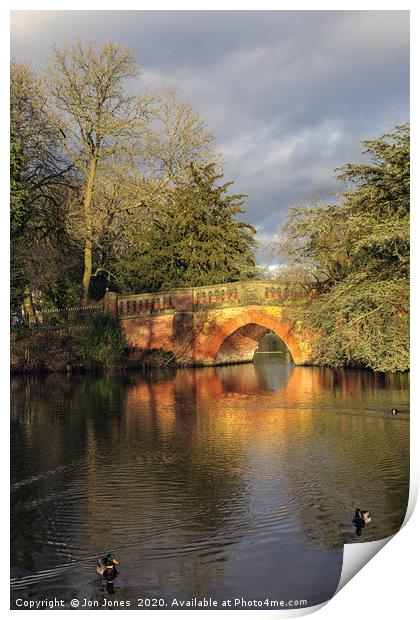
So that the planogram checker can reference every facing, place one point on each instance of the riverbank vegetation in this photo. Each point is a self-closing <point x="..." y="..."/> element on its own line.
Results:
<point x="114" y="187"/>
<point x="101" y="346"/>
<point x="353" y="256"/>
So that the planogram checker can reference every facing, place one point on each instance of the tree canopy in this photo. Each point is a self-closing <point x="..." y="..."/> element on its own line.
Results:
<point x="355" y="255"/>
<point x="104" y="175"/>
<point x="197" y="239"/>
<point x="41" y="182"/>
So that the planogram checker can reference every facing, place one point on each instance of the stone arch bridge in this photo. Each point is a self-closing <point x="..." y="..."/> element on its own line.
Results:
<point x="210" y="325"/>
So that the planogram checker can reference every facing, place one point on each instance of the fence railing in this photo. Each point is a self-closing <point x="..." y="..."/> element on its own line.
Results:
<point x="56" y="318"/>
<point x="252" y="292"/>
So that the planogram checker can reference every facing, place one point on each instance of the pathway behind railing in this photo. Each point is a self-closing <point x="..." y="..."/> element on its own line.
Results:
<point x="55" y="319"/>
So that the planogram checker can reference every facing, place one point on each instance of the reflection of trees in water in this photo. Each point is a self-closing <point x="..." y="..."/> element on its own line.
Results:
<point x="274" y="376"/>
<point x="321" y="450"/>
<point x="56" y="423"/>
<point x="207" y="462"/>
<point x="140" y="456"/>
<point x="337" y="477"/>
<point x="152" y="427"/>
<point x="356" y="382"/>
<point x="200" y="465"/>
<point x="193" y="490"/>
<point x="177" y="449"/>
<point x="204" y="467"/>
<point x="344" y="450"/>
<point x="37" y="445"/>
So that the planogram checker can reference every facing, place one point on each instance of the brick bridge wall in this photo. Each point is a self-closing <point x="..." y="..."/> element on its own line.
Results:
<point x="221" y="324"/>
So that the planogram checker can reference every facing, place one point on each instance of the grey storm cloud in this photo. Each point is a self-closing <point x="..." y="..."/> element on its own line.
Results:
<point x="289" y="94"/>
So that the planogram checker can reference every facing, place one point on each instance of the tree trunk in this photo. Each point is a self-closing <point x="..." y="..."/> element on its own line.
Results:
<point x="28" y="307"/>
<point x="88" y="230"/>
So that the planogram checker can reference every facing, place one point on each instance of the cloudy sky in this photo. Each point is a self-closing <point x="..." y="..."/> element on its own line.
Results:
<point x="289" y="94"/>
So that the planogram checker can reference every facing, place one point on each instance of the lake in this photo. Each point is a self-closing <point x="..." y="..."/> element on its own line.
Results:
<point x="227" y="482"/>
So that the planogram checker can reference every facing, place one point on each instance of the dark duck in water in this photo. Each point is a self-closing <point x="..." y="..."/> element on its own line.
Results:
<point x="361" y="518"/>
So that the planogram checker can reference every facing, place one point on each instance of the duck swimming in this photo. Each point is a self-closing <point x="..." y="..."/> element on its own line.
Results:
<point x="394" y="411"/>
<point x="107" y="567"/>
<point x="366" y="516"/>
<point x="360" y="520"/>
<point x="362" y="517"/>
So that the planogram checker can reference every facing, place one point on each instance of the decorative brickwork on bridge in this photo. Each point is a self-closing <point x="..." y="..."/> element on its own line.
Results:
<point x="211" y="325"/>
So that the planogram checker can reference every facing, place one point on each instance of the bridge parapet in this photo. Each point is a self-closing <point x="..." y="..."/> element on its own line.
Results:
<point x="252" y="292"/>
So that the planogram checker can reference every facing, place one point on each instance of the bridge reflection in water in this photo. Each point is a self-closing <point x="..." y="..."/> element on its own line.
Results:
<point x="219" y="481"/>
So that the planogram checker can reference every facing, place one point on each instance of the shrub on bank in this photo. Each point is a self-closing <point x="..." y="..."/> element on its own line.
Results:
<point x="100" y="346"/>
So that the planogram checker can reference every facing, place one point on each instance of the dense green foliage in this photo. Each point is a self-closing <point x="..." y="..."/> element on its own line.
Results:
<point x="196" y="240"/>
<point x="356" y="256"/>
<point x="112" y="189"/>
<point x="18" y="190"/>
<point x="100" y="346"/>
<point x="18" y="212"/>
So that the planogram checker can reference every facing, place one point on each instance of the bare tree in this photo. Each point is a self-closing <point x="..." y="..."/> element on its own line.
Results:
<point x="99" y="120"/>
<point x="178" y="138"/>
<point x="44" y="164"/>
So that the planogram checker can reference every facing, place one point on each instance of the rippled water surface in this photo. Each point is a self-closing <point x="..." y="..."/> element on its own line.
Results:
<point x="222" y="482"/>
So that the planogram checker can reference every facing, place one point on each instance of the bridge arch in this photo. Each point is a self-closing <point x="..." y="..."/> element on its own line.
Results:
<point x="241" y="345"/>
<point x="238" y="337"/>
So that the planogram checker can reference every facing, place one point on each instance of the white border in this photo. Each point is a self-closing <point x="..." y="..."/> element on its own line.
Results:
<point x="387" y="585"/>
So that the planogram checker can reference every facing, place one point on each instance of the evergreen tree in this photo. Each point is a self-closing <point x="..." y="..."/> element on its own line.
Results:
<point x="18" y="189"/>
<point x="196" y="240"/>
<point x="356" y="255"/>
<point x="18" y="215"/>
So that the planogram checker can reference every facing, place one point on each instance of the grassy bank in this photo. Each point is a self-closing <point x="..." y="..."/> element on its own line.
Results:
<point x="99" y="347"/>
